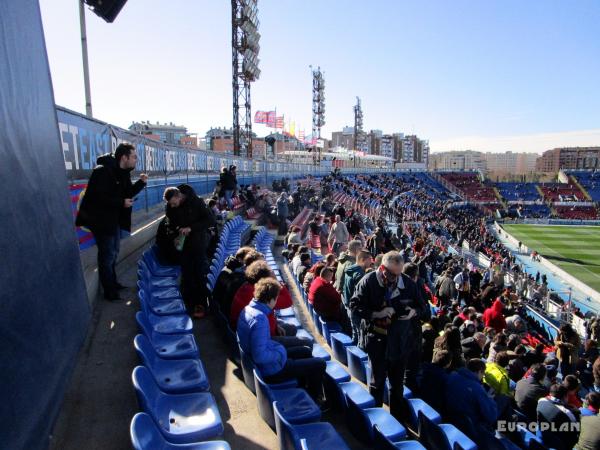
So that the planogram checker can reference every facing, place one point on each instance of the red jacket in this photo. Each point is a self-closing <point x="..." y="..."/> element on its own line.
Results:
<point x="244" y="296"/>
<point x="493" y="317"/>
<point x="325" y="299"/>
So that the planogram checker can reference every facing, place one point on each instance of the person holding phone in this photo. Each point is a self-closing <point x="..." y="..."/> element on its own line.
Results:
<point x="391" y="308"/>
<point x="106" y="210"/>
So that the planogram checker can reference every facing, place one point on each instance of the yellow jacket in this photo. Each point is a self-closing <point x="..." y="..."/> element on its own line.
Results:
<point x="497" y="378"/>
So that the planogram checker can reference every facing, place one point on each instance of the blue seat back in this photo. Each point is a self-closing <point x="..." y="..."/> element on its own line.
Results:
<point x="264" y="399"/>
<point x="144" y="434"/>
<point x="145" y="350"/>
<point x="247" y="369"/>
<point x="144" y="324"/>
<point x="146" y="389"/>
<point x="288" y="438"/>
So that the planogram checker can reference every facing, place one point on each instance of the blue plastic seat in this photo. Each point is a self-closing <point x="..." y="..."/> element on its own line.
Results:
<point x="313" y="436"/>
<point x="290" y="320"/>
<point x="286" y="312"/>
<point x="172" y="376"/>
<point x="320" y="352"/>
<point x="381" y="442"/>
<point x="157" y="269"/>
<point x="417" y="406"/>
<point x="247" y="370"/>
<point x="302" y="333"/>
<point x="158" y="293"/>
<point x="294" y="403"/>
<point x="328" y="328"/>
<point x="339" y="393"/>
<point x="168" y="346"/>
<point x="181" y="418"/>
<point x="406" y="392"/>
<point x="161" y="308"/>
<point x="356" y="359"/>
<point x="443" y="436"/>
<point x="172" y="324"/>
<point x="362" y="420"/>
<point x="339" y="342"/>
<point x="317" y="321"/>
<point x="146" y="436"/>
<point x="336" y="372"/>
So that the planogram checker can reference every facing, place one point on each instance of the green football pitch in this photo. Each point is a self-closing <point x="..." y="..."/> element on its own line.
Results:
<point x="575" y="249"/>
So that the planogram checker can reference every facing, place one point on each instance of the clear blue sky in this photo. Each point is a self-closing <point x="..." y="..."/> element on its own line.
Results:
<point x="488" y="75"/>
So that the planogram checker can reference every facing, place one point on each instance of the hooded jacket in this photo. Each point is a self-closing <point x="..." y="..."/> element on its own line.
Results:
<point x="101" y="208"/>
<point x="352" y="275"/>
<point x="254" y="338"/>
<point x="344" y="261"/>
<point x="493" y="317"/>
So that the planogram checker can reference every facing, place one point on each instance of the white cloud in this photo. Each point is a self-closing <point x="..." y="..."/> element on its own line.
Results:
<point x="533" y="143"/>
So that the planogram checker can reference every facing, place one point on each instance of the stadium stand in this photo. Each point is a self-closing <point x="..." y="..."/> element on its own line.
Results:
<point x="590" y="180"/>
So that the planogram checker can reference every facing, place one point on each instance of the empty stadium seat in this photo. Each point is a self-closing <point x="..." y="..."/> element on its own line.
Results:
<point x="320" y="352"/>
<point x="315" y="436"/>
<point x="172" y="376"/>
<point x="327" y="328"/>
<point x="417" y="406"/>
<point x="382" y="442"/>
<point x="181" y="418"/>
<point x="339" y="342"/>
<point x="295" y="404"/>
<point x="442" y="436"/>
<point x="356" y="362"/>
<point x="161" y="307"/>
<point x="351" y="389"/>
<point x="172" y="324"/>
<point x="146" y="436"/>
<point x="362" y="420"/>
<point x="168" y="346"/>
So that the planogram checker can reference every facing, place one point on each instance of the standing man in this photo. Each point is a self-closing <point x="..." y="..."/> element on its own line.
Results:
<point x="106" y="210"/>
<point x="391" y="309"/>
<point x="338" y="235"/>
<point x="283" y="212"/>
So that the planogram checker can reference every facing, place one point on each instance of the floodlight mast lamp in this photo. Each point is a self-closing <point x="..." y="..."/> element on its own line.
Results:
<point x="244" y="61"/>
<point x="318" y="107"/>
<point x="358" y="124"/>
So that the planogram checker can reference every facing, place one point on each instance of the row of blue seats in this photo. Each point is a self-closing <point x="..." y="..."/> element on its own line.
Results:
<point x="171" y="385"/>
<point x="373" y="425"/>
<point x="290" y="411"/>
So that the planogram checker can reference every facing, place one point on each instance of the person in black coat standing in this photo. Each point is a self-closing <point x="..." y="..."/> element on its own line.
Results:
<point x="106" y="210"/>
<point x="391" y="309"/>
<point x="190" y="216"/>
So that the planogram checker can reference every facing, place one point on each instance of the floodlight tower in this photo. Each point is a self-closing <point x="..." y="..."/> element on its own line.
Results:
<point x="244" y="60"/>
<point x="358" y="124"/>
<point x="318" y="102"/>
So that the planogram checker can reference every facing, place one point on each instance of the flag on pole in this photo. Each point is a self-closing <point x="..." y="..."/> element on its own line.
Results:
<point x="301" y="135"/>
<point x="279" y="122"/>
<point x="271" y="119"/>
<point x="260" y="117"/>
<point x="293" y="128"/>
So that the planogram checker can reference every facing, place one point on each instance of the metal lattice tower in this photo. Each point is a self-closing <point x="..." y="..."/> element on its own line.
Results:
<point x="244" y="60"/>
<point x="358" y="125"/>
<point x="318" y="102"/>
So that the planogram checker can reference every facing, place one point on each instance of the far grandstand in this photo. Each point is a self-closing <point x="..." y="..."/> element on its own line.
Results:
<point x="575" y="249"/>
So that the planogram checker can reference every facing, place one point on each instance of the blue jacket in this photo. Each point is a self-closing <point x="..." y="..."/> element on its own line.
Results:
<point x="255" y="339"/>
<point x="465" y="396"/>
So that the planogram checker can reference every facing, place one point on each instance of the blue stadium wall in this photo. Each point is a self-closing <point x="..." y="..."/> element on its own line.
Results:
<point x="44" y="309"/>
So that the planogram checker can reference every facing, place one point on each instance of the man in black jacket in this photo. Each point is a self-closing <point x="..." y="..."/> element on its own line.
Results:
<point x="106" y="210"/>
<point x="391" y="309"/>
<point x="529" y="390"/>
<point x="194" y="221"/>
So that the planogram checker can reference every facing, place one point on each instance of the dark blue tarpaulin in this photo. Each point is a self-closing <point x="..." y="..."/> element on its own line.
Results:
<point x="44" y="313"/>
